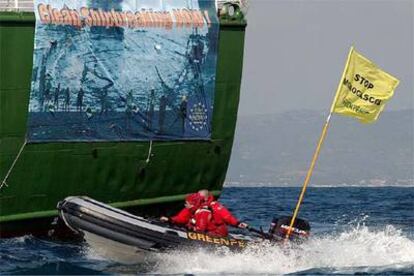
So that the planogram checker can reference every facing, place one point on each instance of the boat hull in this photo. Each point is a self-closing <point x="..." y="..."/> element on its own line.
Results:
<point x="117" y="251"/>
<point x="112" y="231"/>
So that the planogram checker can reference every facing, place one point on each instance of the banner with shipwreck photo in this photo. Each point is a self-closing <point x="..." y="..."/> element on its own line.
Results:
<point x="123" y="70"/>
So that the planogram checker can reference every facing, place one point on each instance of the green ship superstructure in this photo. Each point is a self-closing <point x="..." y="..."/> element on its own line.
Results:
<point x="128" y="175"/>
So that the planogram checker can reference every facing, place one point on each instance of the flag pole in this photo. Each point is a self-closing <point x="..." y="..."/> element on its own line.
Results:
<point x="318" y="148"/>
<point x="308" y="175"/>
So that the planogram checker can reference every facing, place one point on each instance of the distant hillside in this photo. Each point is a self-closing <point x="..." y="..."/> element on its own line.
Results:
<point x="278" y="148"/>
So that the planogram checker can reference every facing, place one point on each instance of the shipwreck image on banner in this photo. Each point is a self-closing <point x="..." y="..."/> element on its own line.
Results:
<point x="123" y="70"/>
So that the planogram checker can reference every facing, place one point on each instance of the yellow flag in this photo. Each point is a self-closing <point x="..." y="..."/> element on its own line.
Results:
<point x="364" y="89"/>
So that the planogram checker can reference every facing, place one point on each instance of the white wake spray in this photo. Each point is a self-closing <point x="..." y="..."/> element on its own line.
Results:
<point x="359" y="247"/>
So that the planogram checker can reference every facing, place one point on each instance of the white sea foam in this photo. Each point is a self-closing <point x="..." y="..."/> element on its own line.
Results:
<point x="359" y="247"/>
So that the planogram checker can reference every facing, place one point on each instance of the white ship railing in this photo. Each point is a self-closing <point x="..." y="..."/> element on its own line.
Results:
<point x="16" y="5"/>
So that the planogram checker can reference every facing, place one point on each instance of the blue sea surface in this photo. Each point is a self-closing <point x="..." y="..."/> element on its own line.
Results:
<point x="355" y="230"/>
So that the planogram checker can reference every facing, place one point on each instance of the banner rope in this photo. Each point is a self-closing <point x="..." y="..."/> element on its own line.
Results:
<point x="149" y="152"/>
<point x="4" y="182"/>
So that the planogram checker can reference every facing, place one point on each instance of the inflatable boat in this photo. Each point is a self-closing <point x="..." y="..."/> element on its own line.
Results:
<point x="118" y="231"/>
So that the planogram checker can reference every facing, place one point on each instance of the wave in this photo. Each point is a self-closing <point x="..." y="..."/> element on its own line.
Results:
<point x="30" y="255"/>
<point x="357" y="250"/>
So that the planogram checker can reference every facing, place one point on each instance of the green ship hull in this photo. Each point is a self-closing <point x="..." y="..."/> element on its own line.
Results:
<point x="114" y="172"/>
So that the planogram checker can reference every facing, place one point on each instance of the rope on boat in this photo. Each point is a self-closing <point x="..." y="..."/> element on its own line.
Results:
<point x="4" y="182"/>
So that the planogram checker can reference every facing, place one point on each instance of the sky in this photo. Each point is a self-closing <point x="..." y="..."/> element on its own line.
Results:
<point x="295" y="50"/>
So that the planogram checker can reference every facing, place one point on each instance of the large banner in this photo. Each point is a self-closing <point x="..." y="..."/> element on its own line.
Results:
<point x="123" y="70"/>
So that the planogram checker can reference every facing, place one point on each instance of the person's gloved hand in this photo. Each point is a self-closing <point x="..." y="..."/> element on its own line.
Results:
<point x="243" y="225"/>
<point x="164" y="219"/>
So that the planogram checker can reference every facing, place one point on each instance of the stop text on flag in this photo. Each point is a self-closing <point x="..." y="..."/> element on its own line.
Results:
<point x="364" y="81"/>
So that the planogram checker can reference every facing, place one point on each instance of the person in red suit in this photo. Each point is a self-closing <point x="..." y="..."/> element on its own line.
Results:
<point x="202" y="213"/>
<point x="186" y="216"/>
<point x="212" y="217"/>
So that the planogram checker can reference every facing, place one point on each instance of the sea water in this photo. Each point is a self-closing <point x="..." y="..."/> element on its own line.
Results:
<point x="355" y="230"/>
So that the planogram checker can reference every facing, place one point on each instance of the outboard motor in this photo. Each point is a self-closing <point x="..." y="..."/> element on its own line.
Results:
<point x="279" y="228"/>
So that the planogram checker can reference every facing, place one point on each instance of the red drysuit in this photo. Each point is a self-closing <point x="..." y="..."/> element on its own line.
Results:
<point x="213" y="218"/>
<point x="210" y="217"/>
<point x="184" y="217"/>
